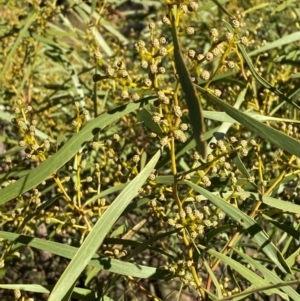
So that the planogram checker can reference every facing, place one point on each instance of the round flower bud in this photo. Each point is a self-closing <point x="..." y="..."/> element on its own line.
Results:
<point x="136" y="158"/>
<point x="153" y="69"/>
<point x="164" y="141"/>
<point x="124" y="94"/>
<point x="227" y="165"/>
<point x="200" y="57"/>
<point x="184" y="127"/>
<point x="221" y="215"/>
<point x="209" y="56"/>
<point x="179" y="135"/>
<point x="171" y="222"/>
<point x="177" y="111"/>
<point x="193" y="6"/>
<point x="244" y="143"/>
<point x="194" y="234"/>
<point x="244" y="41"/>
<point x="207" y="223"/>
<point x="166" y="100"/>
<point x="233" y="139"/>
<point x="110" y="71"/>
<point x="214" y="170"/>
<point x="235" y="23"/>
<point x="205" y="75"/>
<point x="229" y="36"/>
<point x="162" y="40"/>
<point x="244" y="152"/>
<point x="144" y="64"/>
<point x="166" y="20"/>
<point x="135" y="97"/>
<point x="147" y="82"/>
<point x="22" y="143"/>
<point x="251" y="179"/>
<point x="182" y="214"/>
<point x="198" y="198"/>
<point x="191" y="53"/>
<point x="217" y="92"/>
<point x="141" y="43"/>
<point x="155" y="43"/>
<point x="190" y="30"/>
<point x="184" y="8"/>
<point x="163" y="51"/>
<point x="152" y="177"/>
<point x="156" y="118"/>
<point x="188" y="210"/>
<point x="196" y="156"/>
<point x="200" y="229"/>
<point x="98" y="55"/>
<point x="161" y="70"/>
<point x="230" y="64"/>
<point x="215" y="51"/>
<point x="160" y="94"/>
<point x="214" y="32"/>
<point x="17" y="294"/>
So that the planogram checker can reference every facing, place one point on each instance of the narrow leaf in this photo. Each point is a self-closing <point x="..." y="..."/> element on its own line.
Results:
<point x="256" y="232"/>
<point x="243" y="271"/>
<point x="110" y="264"/>
<point x="284" y="206"/>
<point x="193" y="103"/>
<point x="52" y="164"/>
<point x="97" y="235"/>
<point x="278" y="138"/>
<point x="78" y="293"/>
<point x="270" y="275"/>
<point x="295" y="36"/>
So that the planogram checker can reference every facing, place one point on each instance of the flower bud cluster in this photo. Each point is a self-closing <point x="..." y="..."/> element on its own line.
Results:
<point x="181" y="269"/>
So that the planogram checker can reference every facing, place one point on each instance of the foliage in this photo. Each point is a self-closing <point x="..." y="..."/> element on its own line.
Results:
<point x="149" y="155"/>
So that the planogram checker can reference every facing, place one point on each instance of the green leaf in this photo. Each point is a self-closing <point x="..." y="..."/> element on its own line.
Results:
<point x="293" y="37"/>
<point x="284" y="5"/>
<point x="284" y="206"/>
<point x="100" y="230"/>
<point x="110" y="264"/>
<point x="223" y="117"/>
<point x="193" y="103"/>
<point x="270" y="275"/>
<point x="252" y="277"/>
<point x="146" y="117"/>
<point x="256" y="232"/>
<point x="283" y="227"/>
<point x="52" y="164"/>
<point x="78" y="293"/>
<point x="278" y="138"/>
